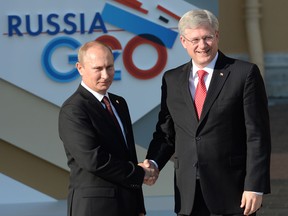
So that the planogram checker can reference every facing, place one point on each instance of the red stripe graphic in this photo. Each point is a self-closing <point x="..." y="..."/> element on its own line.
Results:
<point x="133" y="4"/>
<point x="168" y="12"/>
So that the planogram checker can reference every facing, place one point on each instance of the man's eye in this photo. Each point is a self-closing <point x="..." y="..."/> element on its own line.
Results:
<point x="195" y="41"/>
<point x="98" y="69"/>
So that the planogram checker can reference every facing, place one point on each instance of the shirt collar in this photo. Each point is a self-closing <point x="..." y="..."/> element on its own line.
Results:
<point x="96" y="94"/>
<point x="209" y="68"/>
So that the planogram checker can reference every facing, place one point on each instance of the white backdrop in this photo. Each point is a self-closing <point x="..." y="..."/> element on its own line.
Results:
<point x="21" y="56"/>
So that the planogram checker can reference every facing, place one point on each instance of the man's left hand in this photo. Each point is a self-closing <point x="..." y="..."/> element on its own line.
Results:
<point x="251" y="201"/>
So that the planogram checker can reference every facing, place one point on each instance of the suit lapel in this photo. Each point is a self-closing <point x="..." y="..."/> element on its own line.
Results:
<point x="219" y="77"/>
<point x="92" y="100"/>
<point x="121" y="113"/>
<point x="116" y="103"/>
<point x="101" y="112"/>
<point x="96" y="105"/>
<point x="186" y="94"/>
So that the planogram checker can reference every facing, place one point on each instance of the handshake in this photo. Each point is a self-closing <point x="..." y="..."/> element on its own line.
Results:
<point x="151" y="172"/>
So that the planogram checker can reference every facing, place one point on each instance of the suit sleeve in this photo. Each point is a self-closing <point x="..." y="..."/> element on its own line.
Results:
<point x="84" y="145"/>
<point x="161" y="147"/>
<point x="258" y="133"/>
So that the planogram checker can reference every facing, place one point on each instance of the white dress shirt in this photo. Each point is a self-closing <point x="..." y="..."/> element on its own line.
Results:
<point x="193" y="79"/>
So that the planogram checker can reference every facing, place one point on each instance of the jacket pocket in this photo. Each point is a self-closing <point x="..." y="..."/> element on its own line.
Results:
<point x="98" y="192"/>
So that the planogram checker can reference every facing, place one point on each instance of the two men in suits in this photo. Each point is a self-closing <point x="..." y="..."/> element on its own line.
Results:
<point x="105" y="178"/>
<point x="222" y="157"/>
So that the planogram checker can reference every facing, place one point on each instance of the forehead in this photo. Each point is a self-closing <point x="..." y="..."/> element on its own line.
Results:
<point x="199" y="31"/>
<point x="98" y="53"/>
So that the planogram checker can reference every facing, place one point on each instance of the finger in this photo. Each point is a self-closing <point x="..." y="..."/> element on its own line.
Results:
<point x="243" y="201"/>
<point x="255" y="203"/>
<point x="151" y="180"/>
<point x="155" y="175"/>
<point x="148" y="182"/>
<point x="146" y="163"/>
<point x="248" y="206"/>
<point x="147" y="173"/>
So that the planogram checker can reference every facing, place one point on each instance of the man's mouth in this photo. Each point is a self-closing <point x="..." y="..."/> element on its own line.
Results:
<point x="203" y="51"/>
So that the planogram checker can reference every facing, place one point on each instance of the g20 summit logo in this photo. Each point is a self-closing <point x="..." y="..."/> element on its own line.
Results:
<point x="146" y="32"/>
<point x="40" y="40"/>
<point x="119" y="15"/>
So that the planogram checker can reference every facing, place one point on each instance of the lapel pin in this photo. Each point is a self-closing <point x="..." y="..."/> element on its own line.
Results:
<point x="117" y="101"/>
<point x="221" y="74"/>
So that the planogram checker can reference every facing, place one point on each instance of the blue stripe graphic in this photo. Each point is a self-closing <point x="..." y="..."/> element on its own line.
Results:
<point x="137" y="25"/>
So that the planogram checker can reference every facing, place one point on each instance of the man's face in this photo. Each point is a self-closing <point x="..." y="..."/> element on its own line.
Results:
<point x="97" y="68"/>
<point x="201" y="44"/>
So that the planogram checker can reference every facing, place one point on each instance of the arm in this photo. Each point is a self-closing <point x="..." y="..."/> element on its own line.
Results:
<point x="258" y="142"/>
<point x="85" y="147"/>
<point x="161" y="147"/>
<point x="258" y="133"/>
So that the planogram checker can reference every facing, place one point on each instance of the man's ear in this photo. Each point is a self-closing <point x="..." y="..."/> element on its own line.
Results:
<point x="79" y="67"/>
<point x="217" y="35"/>
<point x="183" y="41"/>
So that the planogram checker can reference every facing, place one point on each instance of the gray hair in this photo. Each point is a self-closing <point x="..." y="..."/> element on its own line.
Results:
<point x="195" y="18"/>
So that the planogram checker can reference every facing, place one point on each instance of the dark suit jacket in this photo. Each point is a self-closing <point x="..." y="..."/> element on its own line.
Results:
<point x="104" y="176"/>
<point x="230" y="145"/>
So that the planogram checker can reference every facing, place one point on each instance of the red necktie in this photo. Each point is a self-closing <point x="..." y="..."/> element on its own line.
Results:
<point x="200" y="93"/>
<point x="106" y="101"/>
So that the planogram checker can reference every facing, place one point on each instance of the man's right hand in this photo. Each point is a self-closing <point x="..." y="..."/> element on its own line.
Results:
<point x="151" y="172"/>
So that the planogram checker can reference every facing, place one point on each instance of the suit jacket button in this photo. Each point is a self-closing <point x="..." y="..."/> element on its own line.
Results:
<point x="198" y="138"/>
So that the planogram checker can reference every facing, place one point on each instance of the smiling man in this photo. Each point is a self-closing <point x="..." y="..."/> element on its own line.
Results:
<point x="214" y="120"/>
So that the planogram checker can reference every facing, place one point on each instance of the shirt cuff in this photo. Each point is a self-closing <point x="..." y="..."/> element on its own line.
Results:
<point x="154" y="162"/>
<point x="258" y="193"/>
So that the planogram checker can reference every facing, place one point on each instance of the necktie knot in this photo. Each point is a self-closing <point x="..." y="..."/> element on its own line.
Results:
<point x="201" y="74"/>
<point x="106" y="101"/>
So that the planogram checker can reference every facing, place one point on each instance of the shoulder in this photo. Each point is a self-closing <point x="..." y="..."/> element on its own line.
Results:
<point x="178" y="73"/>
<point x="225" y="61"/>
<point x="115" y="96"/>
<point x="76" y="97"/>
<point x="183" y="67"/>
<point x="80" y="99"/>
